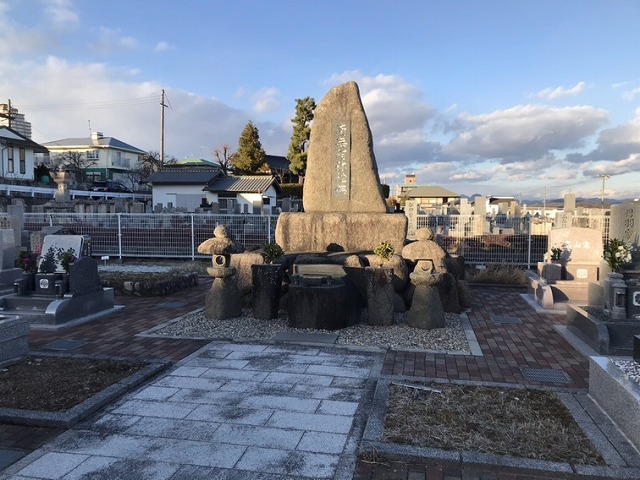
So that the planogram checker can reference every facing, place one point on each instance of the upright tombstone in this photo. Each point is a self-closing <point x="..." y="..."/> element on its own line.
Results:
<point x="343" y="201"/>
<point x="81" y="245"/>
<point x="625" y="222"/>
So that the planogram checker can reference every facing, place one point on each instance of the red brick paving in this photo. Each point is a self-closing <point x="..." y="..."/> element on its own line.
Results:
<point x="506" y="349"/>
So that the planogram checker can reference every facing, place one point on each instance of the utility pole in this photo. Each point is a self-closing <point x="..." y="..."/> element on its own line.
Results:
<point x="8" y="115"/>
<point x="604" y="177"/>
<point x="544" y="203"/>
<point x="162" y="107"/>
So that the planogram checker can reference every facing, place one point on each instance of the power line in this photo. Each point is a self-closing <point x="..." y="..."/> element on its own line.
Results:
<point x="93" y="105"/>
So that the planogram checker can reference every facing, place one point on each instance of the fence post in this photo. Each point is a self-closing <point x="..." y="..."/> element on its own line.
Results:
<point x="268" y="228"/>
<point x="193" y="239"/>
<point x="119" y="237"/>
<point x="528" y="220"/>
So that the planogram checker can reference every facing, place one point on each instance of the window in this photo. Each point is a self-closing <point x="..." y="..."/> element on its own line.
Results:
<point x="23" y="161"/>
<point x="92" y="154"/>
<point x="10" y="167"/>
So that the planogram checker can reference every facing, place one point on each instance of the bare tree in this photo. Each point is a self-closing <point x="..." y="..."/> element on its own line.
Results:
<point x="77" y="163"/>
<point x="225" y="159"/>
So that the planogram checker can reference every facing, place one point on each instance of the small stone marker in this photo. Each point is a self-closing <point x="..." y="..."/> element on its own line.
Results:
<point x="625" y="222"/>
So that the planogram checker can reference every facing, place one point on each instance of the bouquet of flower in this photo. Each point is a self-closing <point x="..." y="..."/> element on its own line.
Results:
<point x="28" y="261"/>
<point x="66" y="258"/>
<point x="385" y="250"/>
<point x="617" y="254"/>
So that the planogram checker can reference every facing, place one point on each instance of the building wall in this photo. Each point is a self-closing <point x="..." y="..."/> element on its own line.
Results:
<point x="6" y="153"/>
<point x="184" y="196"/>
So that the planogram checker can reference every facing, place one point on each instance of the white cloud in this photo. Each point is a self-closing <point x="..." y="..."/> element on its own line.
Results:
<point x="163" y="47"/>
<point x="630" y="95"/>
<point x="561" y="92"/>
<point x="526" y="132"/>
<point x="61" y="14"/>
<point x="266" y="100"/>
<point x="110" y="41"/>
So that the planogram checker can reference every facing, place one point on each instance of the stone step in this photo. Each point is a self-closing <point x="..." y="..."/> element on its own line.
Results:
<point x="26" y="303"/>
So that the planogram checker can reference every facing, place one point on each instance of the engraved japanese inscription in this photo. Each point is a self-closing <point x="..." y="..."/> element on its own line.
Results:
<point x="341" y="160"/>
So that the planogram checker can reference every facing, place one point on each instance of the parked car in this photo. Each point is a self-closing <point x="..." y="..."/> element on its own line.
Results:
<point x="108" y="186"/>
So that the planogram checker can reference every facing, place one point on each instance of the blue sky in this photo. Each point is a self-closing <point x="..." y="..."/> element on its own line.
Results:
<point x="494" y="97"/>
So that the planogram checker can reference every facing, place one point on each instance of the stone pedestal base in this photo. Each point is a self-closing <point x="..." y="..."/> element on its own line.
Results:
<point x="349" y="232"/>
<point x="325" y="307"/>
<point x="14" y="338"/>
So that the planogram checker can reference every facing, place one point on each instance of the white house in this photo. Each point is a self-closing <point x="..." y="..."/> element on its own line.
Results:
<point x="190" y="188"/>
<point x="180" y="186"/>
<point x="111" y="158"/>
<point x="17" y="154"/>
<point x="244" y="194"/>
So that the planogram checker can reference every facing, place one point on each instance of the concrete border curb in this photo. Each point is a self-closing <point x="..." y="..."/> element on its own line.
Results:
<point x="372" y="439"/>
<point x="81" y="411"/>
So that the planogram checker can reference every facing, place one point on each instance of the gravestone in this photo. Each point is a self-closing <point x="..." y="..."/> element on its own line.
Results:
<point x="80" y="244"/>
<point x="83" y="277"/>
<point x="581" y="251"/>
<point x="343" y="201"/>
<point x="7" y="249"/>
<point x="625" y="222"/>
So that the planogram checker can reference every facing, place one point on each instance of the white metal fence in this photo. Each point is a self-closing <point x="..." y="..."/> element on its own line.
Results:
<point x="500" y="239"/>
<point x="50" y="193"/>
<point x="155" y="235"/>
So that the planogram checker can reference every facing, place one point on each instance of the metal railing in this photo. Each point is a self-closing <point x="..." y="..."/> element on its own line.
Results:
<point x="50" y="192"/>
<point x="481" y="240"/>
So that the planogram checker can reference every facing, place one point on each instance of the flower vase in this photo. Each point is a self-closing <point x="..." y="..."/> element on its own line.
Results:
<point x="609" y="281"/>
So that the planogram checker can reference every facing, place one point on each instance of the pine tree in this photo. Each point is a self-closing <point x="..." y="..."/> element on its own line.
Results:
<point x="297" y="155"/>
<point x="249" y="159"/>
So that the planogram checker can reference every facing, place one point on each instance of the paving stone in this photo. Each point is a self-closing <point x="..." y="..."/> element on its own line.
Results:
<point x="292" y="378"/>
<point x="145" y="408"/>
<point x="188" y="371"/>
<point x="53" y="465"/>
<point x="339" y="371"/>
<point x="171" y="428"/>
<point x="312" y="422"/>
<point x="206" y="454"/>
<point x="322" y="442"/>
<point x="109" y="468"/>
<point x="225" y="414"/>
<point x="257" y="436"/>
<point x="156" y="393"/>
<point x="221" y="374"/>
<point x="190" y="383"/>
<point x="302" y="464"/>
<point x="332" y="407"/>
<point x="287" y="403"/>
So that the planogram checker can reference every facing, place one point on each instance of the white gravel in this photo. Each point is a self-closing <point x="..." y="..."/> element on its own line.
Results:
<point x="631" y="368"/>
<point x="397" y="336"/>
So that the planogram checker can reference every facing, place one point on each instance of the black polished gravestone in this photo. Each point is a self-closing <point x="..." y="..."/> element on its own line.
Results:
<point x="636" y="348"/>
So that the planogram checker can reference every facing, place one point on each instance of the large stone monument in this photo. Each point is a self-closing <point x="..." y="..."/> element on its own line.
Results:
<point x="343" y="202"/>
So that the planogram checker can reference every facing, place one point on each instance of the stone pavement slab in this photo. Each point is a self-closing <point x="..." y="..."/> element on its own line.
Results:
<point x="224" y="413"/>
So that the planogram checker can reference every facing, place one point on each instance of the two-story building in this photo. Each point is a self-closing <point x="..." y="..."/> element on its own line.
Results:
<point x="107" y="158"/>
<point x="17" y="155"/>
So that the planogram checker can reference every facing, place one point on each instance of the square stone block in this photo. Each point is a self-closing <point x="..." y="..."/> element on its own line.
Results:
<point x="14" y="338"/>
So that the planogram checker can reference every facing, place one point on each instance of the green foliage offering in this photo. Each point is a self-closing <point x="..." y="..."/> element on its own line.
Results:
<point x="66" y="258"/>
<point x="271" y="252"/>
<point x="292" y="190"/>
<point x="48" y="262"/>
<point x="617" y="254"/>
<point x="385" y="250"/>
<point x="28" y="261"/>
<point x="297" y="155"/>
<point x="556" y="252"/>
<point x="249" y="159"/>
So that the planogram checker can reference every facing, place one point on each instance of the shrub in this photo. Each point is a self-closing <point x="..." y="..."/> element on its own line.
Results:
<point x="499" y="274"/>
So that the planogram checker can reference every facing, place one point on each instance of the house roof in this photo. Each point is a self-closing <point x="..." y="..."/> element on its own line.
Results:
<point x="88" y="142"/>
<point x="9" y="136"/>
<point x="277" y="162"/>
<point x="431" y="192"/>
<point x="183" y="176"/>
<point x="192" y="162"/>
<point x="245" y="183"/>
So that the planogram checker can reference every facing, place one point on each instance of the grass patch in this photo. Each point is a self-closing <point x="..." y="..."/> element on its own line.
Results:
<point x="498" y="274"/>
<point x="522" y="423"/>
<point x="56" y="384"/>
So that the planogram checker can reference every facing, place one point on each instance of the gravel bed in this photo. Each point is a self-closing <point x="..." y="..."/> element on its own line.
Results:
<point x="398" y="336"/>
<point x="631" y="368"/>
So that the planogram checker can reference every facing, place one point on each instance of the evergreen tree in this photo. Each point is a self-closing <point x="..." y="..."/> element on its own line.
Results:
<point x="249" y="159"/>
<point x="297" y="155"/>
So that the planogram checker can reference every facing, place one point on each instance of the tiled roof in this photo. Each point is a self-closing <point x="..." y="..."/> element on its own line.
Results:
<point x="246" y="183"/>
<point x="183" y="176"/>
<point x="105" y="142"/>
<point x="276" y="162"/>
<point x="430" y="192"/>
<point x="8" y="136"/>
